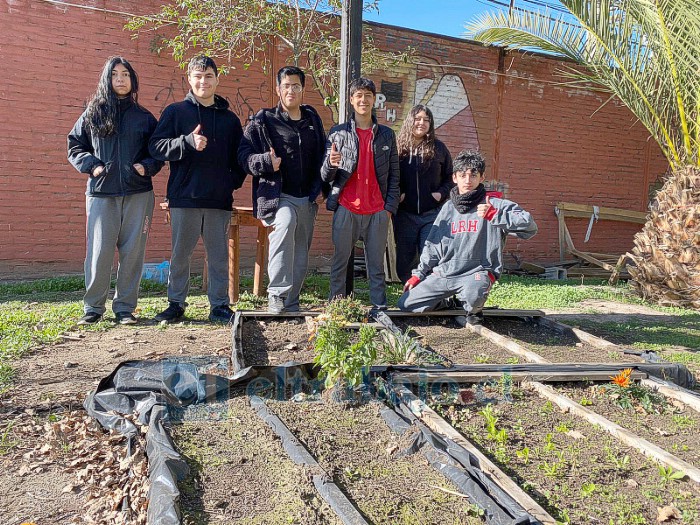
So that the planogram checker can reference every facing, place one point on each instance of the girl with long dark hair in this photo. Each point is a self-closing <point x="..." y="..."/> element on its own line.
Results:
<point x="109" y="143"/>
<point x="426" y="181"/>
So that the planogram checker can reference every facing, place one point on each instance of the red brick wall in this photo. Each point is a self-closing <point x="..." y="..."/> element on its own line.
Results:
<point x="542" y="141"/>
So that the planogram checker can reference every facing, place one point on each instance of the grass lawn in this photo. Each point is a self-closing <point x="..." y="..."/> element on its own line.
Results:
<point x="37" y="312"/>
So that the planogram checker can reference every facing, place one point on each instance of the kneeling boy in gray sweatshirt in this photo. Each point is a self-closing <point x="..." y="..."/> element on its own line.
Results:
<point x="463" y="254"/>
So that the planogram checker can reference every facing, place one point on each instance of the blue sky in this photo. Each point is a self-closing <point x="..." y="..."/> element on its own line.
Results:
<point x="444" y="17"/>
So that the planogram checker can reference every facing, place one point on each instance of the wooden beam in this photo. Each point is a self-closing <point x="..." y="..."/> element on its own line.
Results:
<point x="604" y="213"/>
<point x="488" y="312"/>
<point x="438" y="425"/>
<point x="517" y="376"/>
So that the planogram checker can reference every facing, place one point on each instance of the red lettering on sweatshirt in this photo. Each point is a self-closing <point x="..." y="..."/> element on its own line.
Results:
<point x="463" y="226"/>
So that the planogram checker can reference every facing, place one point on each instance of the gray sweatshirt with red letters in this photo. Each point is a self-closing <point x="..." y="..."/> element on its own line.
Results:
<point x="463" y="243"/>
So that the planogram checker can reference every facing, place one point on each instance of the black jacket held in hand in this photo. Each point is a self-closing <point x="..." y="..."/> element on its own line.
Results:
<point x="386" y="162"/>
<point x="301" y="146"/>
<point x="420" y="178"/>
<point x="199" y="179"/>
<point x="117" y="153"/>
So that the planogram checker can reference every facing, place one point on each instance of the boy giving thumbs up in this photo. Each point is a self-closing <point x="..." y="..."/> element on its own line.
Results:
<point x="463" y="254"/>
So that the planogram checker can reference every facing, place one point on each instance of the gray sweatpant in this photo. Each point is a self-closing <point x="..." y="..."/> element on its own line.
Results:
<point x="122" y="223"/>
<point x="472" y="290"/>
<point x="289" y="245"/>
<point x="188" y="225"/>
<point x="372" y="229"/>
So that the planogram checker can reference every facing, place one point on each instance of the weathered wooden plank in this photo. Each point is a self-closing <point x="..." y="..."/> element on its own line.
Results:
<point x="604" y="213"/>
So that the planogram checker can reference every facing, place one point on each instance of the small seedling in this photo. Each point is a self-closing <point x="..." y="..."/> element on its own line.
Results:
<point x="524" y="454"/>
<point x="585" y="402"/>
<point x="682" y="421"/>
<point x="551" y="470"/>
<point x="562" y="427"/>
<point x="482" y="359"/>
<point x="587" y="489"/>
<point x="668" y="474"/>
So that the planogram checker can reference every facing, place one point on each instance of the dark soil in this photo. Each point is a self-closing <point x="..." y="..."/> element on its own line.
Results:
<point x="274" y="342"/>
<point x="241" y="474"/>
<point x="457" y="345"/>
<point x="575" y="470"/>
<point x="553" y="346"/>
<point x="357" y="448"/>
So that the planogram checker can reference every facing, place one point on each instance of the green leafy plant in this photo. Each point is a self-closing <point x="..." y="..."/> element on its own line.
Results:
<point x="624" y="392"/>
<point x="668" y="474"/>
<point x="585" y="402"/>
<point x="396" y="348"/>
<point x="347" y="308"/>
<point x="340" y="360"/>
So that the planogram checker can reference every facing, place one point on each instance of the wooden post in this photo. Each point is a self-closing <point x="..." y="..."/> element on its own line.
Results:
<point x="260" y="261"/>
<point x="234" y="257"/>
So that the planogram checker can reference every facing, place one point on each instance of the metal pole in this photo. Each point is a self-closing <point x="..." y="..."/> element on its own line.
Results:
<point x="350" y="66"/>
<point x="350" y="53"/>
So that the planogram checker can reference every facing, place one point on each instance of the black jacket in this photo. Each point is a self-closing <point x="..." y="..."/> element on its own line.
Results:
<point x="301" y="146"/>
<point x="117" y="153"/>
<point x="386" y="162"/>
<point x="199" y="179"/>
<point x="419" y="179"/>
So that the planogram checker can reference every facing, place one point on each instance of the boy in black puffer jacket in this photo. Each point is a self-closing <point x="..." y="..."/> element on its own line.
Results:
<point x="362" y="164"/>
<point x="283" y="148"/>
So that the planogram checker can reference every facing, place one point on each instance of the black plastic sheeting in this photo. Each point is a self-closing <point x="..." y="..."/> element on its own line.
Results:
<point x="154" y="391"/>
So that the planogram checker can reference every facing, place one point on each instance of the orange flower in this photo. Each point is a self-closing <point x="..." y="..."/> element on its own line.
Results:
<point x="623" y="378"/>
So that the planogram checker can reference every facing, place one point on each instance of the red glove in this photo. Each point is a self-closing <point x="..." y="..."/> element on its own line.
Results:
<point x="414" y="280"/>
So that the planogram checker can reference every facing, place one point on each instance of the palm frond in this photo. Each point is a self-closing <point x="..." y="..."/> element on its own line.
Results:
<point x="646" y="52"/>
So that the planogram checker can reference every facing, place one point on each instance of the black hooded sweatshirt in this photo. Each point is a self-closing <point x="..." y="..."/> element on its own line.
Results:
<point x="199" y="179"/>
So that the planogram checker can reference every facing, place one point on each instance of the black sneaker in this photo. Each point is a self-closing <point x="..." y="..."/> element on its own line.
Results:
<point x="472" y="319"/>
<point x="221" y="314"/>
<point x="171" y="313"/>
<point x="90" y="318"/>
<point x="125" y="318"/>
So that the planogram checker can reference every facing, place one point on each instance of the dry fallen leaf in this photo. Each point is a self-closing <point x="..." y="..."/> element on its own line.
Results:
<point x="575" y="434"/>
<point x="668" y="513"/>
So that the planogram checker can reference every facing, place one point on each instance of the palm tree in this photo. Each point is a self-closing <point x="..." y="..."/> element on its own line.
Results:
<point x="647" y="54"/>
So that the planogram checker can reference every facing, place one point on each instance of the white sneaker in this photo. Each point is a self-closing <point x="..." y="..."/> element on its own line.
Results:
<point x="275" y="304"/>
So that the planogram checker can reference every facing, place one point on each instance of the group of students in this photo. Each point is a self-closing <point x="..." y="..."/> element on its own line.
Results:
<point x="449" y="231"/>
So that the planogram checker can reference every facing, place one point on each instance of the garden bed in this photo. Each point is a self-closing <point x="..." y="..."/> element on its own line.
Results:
<point x="239" y="472"/>
<point x="456" y="344"/>
<point x="668" y="425"/>
<point x="273" y="342"/>
<point x="579" y="473"/>
<point x="554" y="346"/>
<point x="355" y="446"/>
